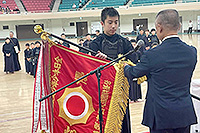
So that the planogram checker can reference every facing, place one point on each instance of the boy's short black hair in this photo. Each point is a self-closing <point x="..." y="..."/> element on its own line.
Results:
<point x="141" y="29"/>
<point x="87" y="34"/>
<point x="153" y="29"/>
<point x="37" y="42"/>
<point x="63" y="34"/>
<point x="97" y="31"/>
<point x="32" y="43"/>
<point x="27" y="44"/>
<point x="81" y="40"/>
<point x="7" y="38"/>
<point x="108" y="11"/>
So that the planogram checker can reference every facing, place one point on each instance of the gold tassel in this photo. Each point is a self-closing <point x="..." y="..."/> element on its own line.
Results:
<point x="118" y="102"/>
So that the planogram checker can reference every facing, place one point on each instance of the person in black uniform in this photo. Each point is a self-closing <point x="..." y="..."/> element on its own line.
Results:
<point x="63" y="36"/>
<point x="154" y="37"/>
<point x="97" y="33"/>
<point x="36" y="52"/>
<point x="141" y="35"/>
<point x="110" y="44"/>
<point x="27" y="53"/>
<point x="135" y="92"/>
<point x="81" y="41"/>
<point x="87" y="43"/>
<point x="147" y="39"/>
<point x="32" y="63"/>
<point x="16" y="45"/>
<point x="8" y="51"/>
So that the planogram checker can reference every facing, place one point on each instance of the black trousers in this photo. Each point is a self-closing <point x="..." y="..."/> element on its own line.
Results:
<point x="177" y="130"/>
<point x="126" y="124"/>
<point x="190" y="30"/>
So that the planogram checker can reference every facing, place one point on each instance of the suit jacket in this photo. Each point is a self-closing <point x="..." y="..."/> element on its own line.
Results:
<point x="169" y="68"/>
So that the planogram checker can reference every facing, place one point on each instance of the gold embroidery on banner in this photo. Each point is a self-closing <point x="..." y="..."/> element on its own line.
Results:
<point x="79" y="75"/>
<point x="96" y="126"/>
<point x="104" y="99"/>
<point x="68" y="130"/>
<point x="56" y="72"/>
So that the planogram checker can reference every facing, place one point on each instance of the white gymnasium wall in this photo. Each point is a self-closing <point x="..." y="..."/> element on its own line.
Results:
<point x="58" y="26"/>
<point x="126" y="21"/>
<point x="190" y="15"/>
<point x="11" y="24"/>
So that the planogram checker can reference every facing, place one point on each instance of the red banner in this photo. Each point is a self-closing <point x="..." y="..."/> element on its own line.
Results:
<point x="75" y="109"/>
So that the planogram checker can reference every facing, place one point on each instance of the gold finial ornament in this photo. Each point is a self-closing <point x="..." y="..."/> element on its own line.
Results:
<point x="38" y="29"/>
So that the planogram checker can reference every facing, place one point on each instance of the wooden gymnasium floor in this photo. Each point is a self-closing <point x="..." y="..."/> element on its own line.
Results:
<point x="16" y="96"/>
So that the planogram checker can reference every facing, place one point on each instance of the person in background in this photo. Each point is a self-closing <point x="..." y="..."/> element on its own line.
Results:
<point x="154" y="37"/>
<point x="137" y="29"/>
<point x="87" y="42"/>
<point x="8" y="10"/>
<point x="190" y="26"/>
<point x="81" y="41"/>
<point x="27" y="58"/>
<point x="36" y="53"/>
<point x="73" y="6"/>
<point x="4" y="2"/>
<point x="16" y="10"/>
<point x="135" y="93"/>
<point x="32" y="61"/>
<point x="97" y="33"/>
<point x="63" y="36"/>
<point x="80" y="5"/>
<point x="8" y="51"/>
<point x="147" y="40"/>
<point x="14" y="41"/>
<point x="141" y="35"/>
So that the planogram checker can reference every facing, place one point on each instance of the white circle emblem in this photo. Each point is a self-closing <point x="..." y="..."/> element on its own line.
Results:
<point x="85" y="101"/>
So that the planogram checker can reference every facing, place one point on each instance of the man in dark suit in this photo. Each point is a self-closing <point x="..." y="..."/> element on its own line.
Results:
<point x="169" y="68"/>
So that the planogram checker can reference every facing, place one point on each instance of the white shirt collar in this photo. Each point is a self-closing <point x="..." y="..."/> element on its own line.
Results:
<point x="170" y="36"/>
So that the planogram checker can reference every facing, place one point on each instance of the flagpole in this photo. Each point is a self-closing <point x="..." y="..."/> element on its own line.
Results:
<point x="98" y="75"/>
<point x="38" y="30"/>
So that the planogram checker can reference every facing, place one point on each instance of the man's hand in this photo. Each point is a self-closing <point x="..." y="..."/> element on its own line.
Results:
<point x="8" y="55"/>
<point x="101" y="55"/>
<point x="147" y="48"/>
<point x="125" y="64"/>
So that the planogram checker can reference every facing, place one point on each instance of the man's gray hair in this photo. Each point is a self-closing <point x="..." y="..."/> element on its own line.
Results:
<point x="12" y="32"/>
<point x="168" y="18"/>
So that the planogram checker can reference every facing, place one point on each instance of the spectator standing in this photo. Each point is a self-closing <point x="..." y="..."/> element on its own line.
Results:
<point x="14" y="41"/>
<point x="27" y="58"/>
<point x="8" y="51"/>
<point x="190" y="26"/>
<point x="87" y="42"/>
<point x="73" y="6"/>
<point x="63" y="36"/>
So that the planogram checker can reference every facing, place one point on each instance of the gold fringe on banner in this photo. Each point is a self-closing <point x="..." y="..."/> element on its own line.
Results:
<point x="118" y="102"/>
